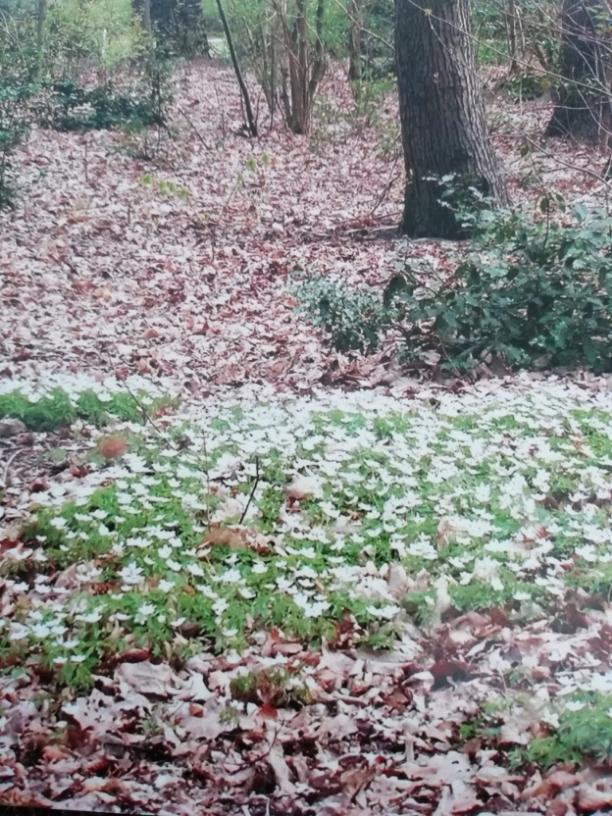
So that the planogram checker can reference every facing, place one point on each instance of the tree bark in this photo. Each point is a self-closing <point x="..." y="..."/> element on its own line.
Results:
<point x="583" y="103"/>
<point x="444" y="131"/>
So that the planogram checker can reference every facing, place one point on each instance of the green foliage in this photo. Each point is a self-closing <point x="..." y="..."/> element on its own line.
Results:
<point x="18" y="83"/>
<point x="76" y="108"/>
<point x="532" y="293"/>
<point x="165" y="187"/>
<point x="353" y="319"/>
<point x="56" y="409"/>
<point x="277" y="687"/>
<point x="582" y="734"/>
<point x="536" y="36"/>
<point x="527" y="85"/>
<point x="100" y="34"/>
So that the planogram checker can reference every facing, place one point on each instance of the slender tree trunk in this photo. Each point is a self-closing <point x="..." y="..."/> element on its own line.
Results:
<point x="583" y="103"/>
<point x="355" y="10"/>
<point x="511" y="34"/>
<point x="41" y="17"/>
<point x="304" y="66"/>
<point x="244" y="91"/>
<point x="444" y="131"/>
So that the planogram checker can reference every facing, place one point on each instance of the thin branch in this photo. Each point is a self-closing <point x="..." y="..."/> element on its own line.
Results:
<point x="252" y="493"/>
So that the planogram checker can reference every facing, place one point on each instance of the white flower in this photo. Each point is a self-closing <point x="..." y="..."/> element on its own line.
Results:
<point x="89" y="617"/>
<point x="165" y="585"/>
<point x="219" y="606"/>
<point x="18" y="631"/>
<point x="482" y="493"/>
<point x="574" y="705"/>
<point x="59" y="522"/>
<point x="231" y="576"/>
<point x="40" y="630"/>
<point x="132" y="574"/>
<point x="386" y="612"/>
<point x="487" y="569"/>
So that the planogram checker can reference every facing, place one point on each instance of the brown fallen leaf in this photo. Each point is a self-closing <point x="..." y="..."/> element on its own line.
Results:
<point x="237" y="538"/>
<point x="592" y="799"/>
<point x="146" y="678"/>
<point x="112" y="447"/>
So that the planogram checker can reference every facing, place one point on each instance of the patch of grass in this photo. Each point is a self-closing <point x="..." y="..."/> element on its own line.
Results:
<point x="56" y="409"/>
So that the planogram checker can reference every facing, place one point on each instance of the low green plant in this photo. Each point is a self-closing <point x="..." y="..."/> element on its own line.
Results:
<point x="56" y="409"/>
<point x="72" y="107"/>
<point x="585" y="733"/>
<point x="532" y="293"/>
<point x="352" y="319"/>
<point x="527" y="86"/>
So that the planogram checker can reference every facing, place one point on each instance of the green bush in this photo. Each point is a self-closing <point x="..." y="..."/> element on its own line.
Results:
<point x="353" y="319"/>
<point x="532" y="293"/>
<point x="74" y="108"/>
<point x="18" y="83"/>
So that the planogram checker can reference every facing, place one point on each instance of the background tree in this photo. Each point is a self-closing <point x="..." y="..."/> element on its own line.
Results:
<point x="178" y="23"/>
<point x="304" y="62"/>
<point x="583" y="104"/>
<point x="444" y="132"/>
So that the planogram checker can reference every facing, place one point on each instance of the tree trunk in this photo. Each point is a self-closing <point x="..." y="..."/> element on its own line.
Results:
<point x="444" y="131"/>
<point x="511" y="34"/>
<point x="244" y="91"/>
<point x="583" y="103"/>
<point x="304" y="64"/>
<point x="355" y="10"/>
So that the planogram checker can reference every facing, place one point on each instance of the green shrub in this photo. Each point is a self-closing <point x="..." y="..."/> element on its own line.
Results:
<point x="353" y="319"/>
<point x="18" y="83"/>
<point x="532" y="293"/>
<point x="75" y="108"/>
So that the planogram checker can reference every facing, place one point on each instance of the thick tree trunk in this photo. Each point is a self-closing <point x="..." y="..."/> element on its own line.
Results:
<point x="583" y="104"/>
<point x="442" y="115"/>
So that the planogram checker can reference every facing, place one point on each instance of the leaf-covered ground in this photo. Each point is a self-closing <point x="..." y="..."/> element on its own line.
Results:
<point x="229" y="587"/>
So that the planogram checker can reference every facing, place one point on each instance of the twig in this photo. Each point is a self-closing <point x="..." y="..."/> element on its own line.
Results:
<point x="12" y="458"/>
<point x="252" y="493"/>
<point x="382" y="197"/>
<point x="195" y="130"/>
<point x="143" y="410"/>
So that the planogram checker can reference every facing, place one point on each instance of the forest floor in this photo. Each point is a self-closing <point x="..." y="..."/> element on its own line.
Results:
<point x="245" y="574"/>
